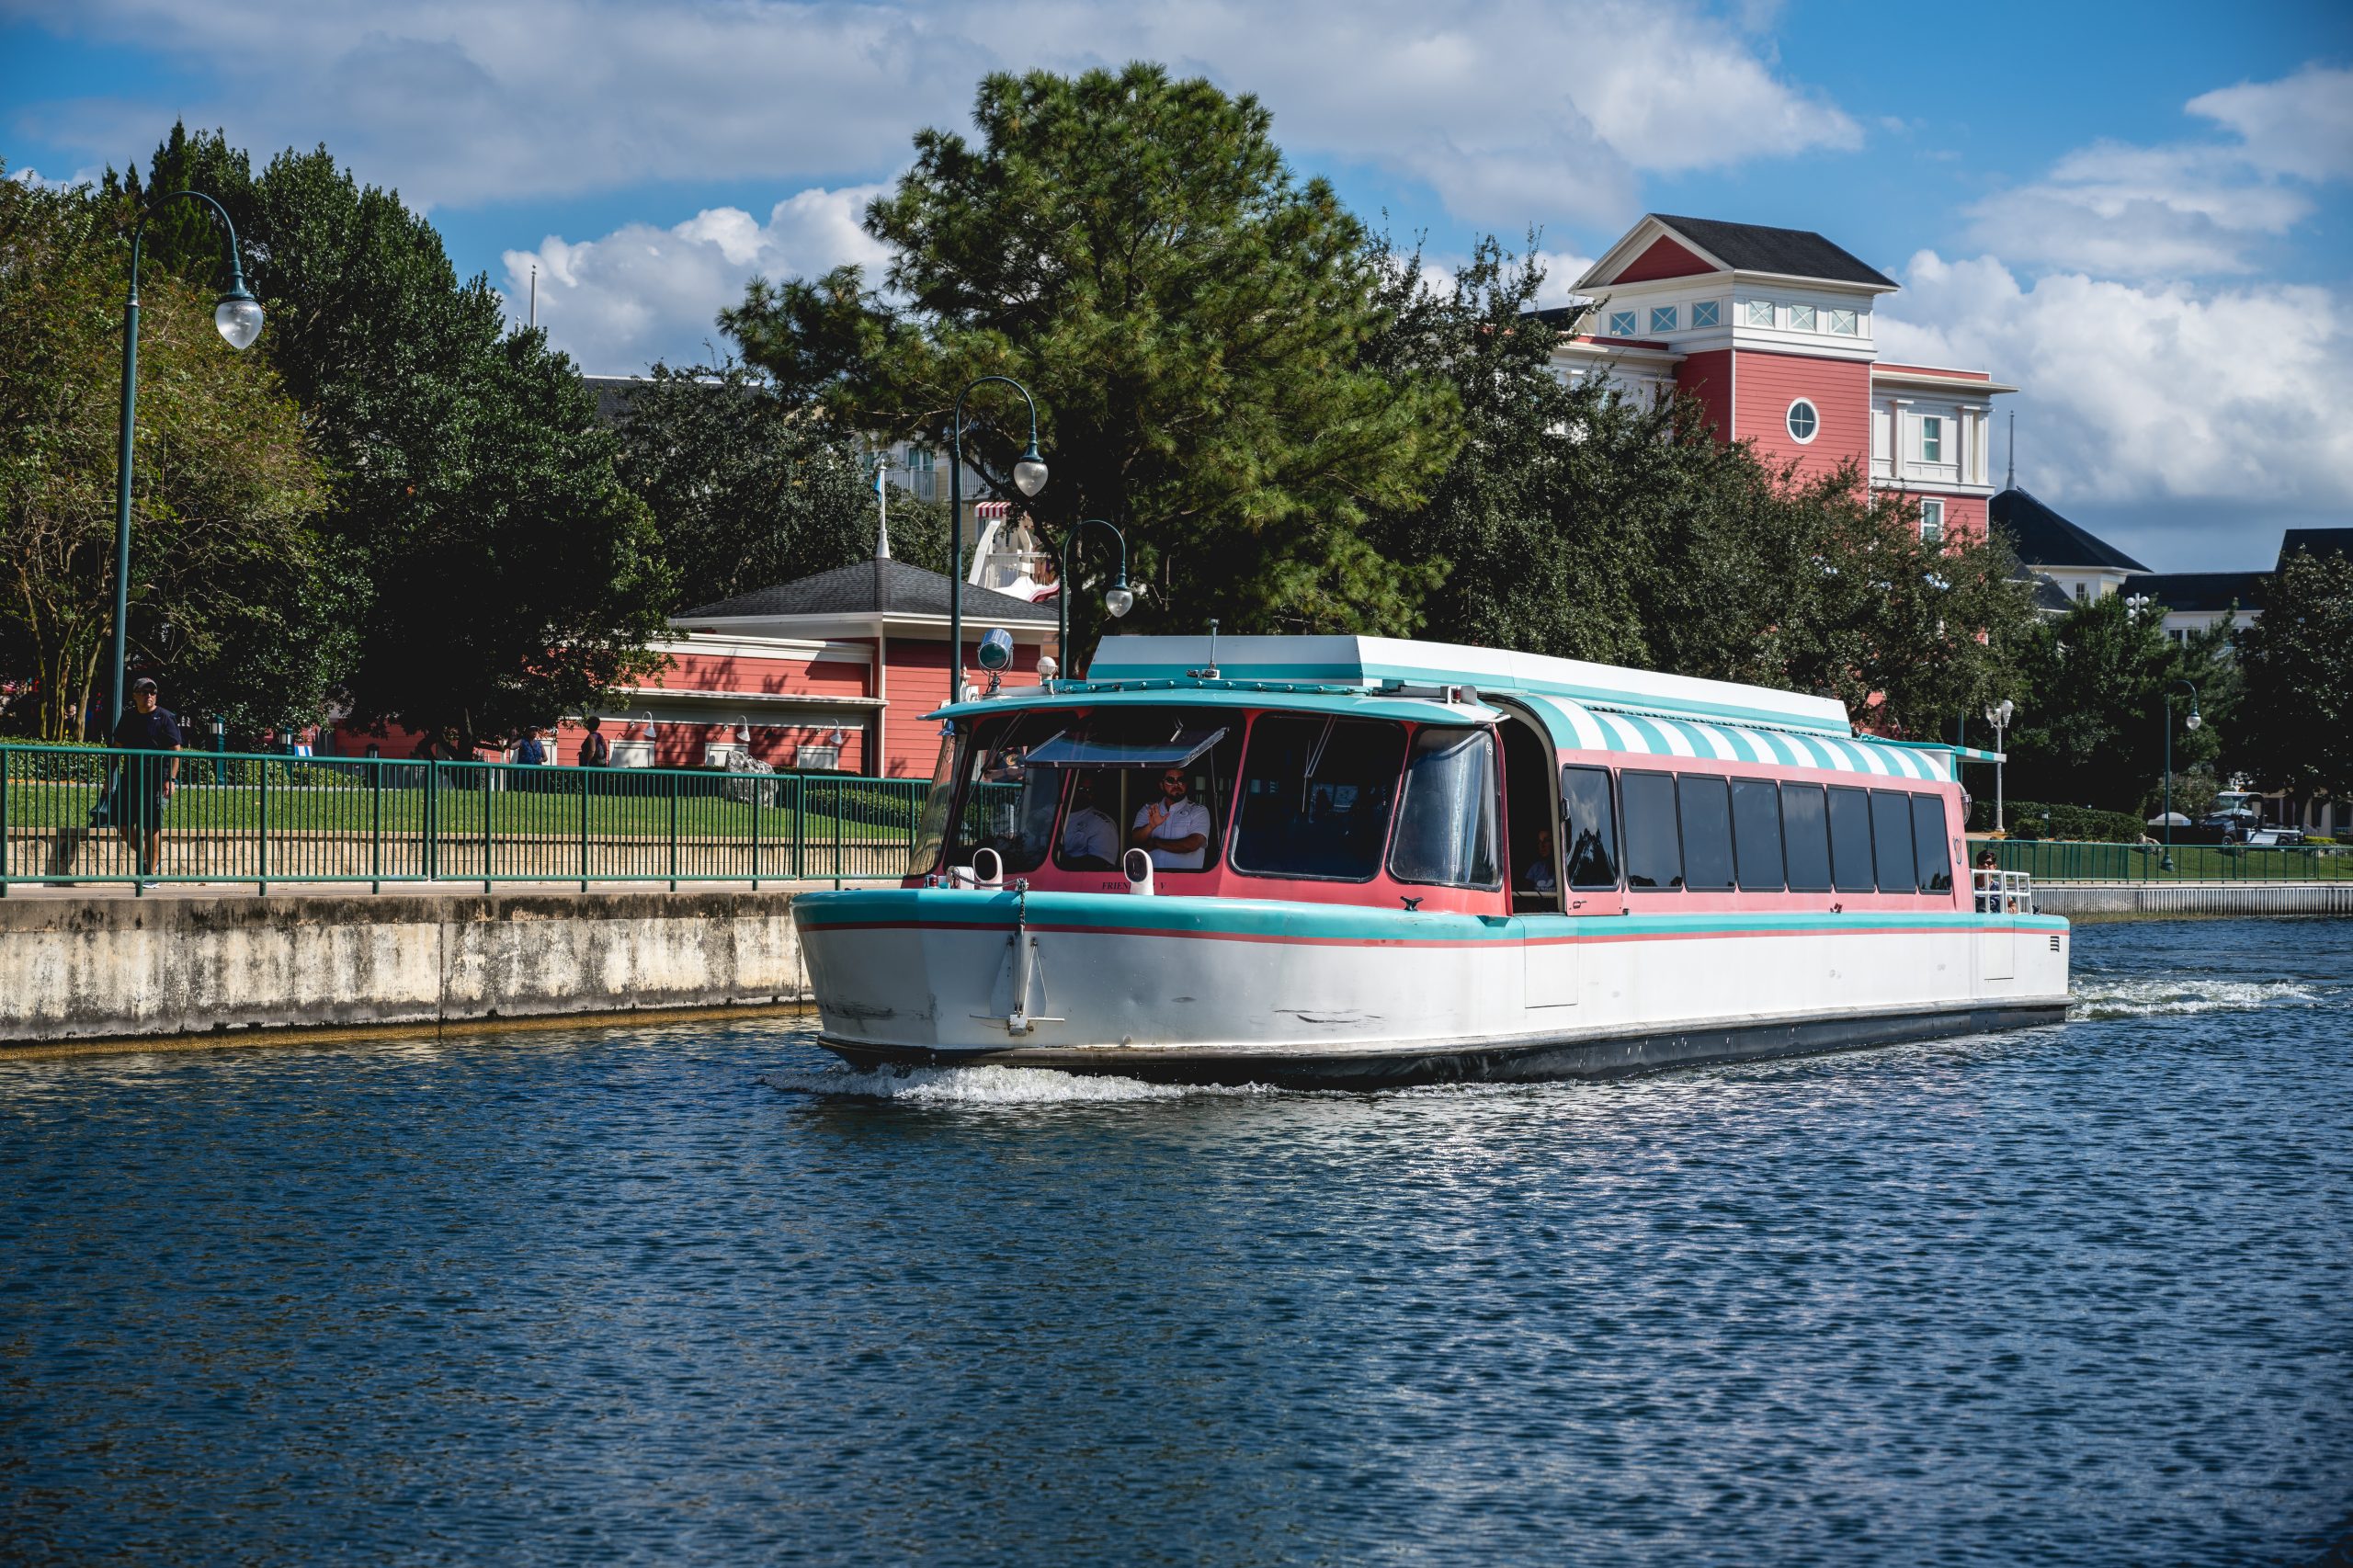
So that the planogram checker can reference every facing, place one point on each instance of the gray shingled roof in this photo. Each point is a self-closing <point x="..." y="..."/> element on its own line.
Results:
<point x="2320" y="541"/>
<point x="1794" y="253"/>
<point x="871" y="587"/>
<point x="2048" y="597"/>
<point x="2199" y="590"/>
<point x="2043" y="538"/>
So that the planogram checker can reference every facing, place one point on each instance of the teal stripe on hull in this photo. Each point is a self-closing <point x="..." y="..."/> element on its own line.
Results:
<point x="1268" y="919"/>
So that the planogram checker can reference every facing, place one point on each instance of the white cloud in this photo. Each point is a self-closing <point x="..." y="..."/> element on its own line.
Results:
<point x="2229" y="398"/>
<point x="2184" y="208"/>
<point x="1506" y="108"/>
<point x="2301" y="125"/>
<point x="643" y="293"/>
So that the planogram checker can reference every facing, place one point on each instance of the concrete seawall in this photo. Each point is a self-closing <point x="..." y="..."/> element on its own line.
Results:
<point x="2194" y="898"/>
<point x="201" y="963"/>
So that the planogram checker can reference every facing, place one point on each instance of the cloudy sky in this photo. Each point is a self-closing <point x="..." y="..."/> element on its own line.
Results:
<point x="2138" y="214"/>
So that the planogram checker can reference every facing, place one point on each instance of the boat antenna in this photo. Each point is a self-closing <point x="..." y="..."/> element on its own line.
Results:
<point x="1211" y="673"/>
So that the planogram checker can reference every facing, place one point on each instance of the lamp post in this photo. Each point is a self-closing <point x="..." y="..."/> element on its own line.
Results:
<point x="1999" y="715"/>
<point x="1115" y="598"/>
<point x="2193" y="721"/>
<point x="237" y="316"/>
<point x="1029" y="477"/>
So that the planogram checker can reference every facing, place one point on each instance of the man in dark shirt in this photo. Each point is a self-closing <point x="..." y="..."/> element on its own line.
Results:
<point x="144" y="785"/>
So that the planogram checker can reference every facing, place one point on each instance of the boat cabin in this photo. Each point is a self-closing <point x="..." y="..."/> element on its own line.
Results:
<point x="1398" y="774"/>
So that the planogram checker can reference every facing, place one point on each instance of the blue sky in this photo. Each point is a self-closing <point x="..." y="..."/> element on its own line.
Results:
<point x="2138" y="214"/>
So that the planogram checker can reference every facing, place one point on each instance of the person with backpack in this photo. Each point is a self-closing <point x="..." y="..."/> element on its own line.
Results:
<point x="595" y="751"/>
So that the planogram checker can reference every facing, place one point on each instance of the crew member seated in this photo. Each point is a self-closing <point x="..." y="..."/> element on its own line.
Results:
<point x="1090" y="839"/>
<point x="1538" y="877"/>
<point x="1175" y="828"/>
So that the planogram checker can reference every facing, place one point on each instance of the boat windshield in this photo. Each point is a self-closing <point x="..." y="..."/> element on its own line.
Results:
<point x="1159" y="778"/>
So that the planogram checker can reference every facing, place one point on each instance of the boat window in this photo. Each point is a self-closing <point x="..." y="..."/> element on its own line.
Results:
<point x="931" y="827"/>
<point x="1704" y="803"/>
<point x="1006" y="805"/>
<point x="1805" y="838"/>
<point x="1850" y="840"/>
<point x="1446" y="820"/>
<point x="1132" y="802"/>
<point x="1891" y="835"/>
<point x="1316" y="796"/>
<point x="1588" y="827"/>
<point x="1756" y="833"/>
<point x="1934" y="856"/>
<point x="1654" y="854"/>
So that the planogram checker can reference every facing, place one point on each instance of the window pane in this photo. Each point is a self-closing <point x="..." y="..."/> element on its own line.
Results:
<point x="1589" y="827"/>
<point x="1662" y="318"/>
<point x="1007" y="805"/>
<point x="1653" y="856"/>
<point x="1316" y="796"/>
<point x="1935" y="864"/>
<point x="1756" y="833"/>
<point x="1705" y="807"/>
<point x="1704" y="314"/>
<point x="1843" y="321"/>
<point x="1850" y="840"/>
<point x="1800" y="318"/>
<point x="1932" y="440"/>
<point x="1760" y="312"/>
<point x="1621" y="323"/>
<point x="1892" y="840"/>
<point x="1802" y="420"/>
<point x="1446" y="820"/>
<point x="1805" y="836"/>
<point x="1114" y="809"/>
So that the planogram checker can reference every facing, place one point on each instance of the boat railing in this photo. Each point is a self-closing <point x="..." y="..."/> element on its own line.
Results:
<point x="2003" y="892"/>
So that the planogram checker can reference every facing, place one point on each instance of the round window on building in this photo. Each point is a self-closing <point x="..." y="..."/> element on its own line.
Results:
<point x="1805" y="423"/>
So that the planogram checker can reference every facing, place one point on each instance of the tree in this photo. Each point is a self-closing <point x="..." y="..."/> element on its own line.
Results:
<point x="749" y="488"/>
<point x="2093" y="715"/>
<point x="511" y="576"/>
<point x="224" y="550"/>
<point x="1193" y="319"/>
<point x="1580" y="522"/>
<point x="2297" y="663"/>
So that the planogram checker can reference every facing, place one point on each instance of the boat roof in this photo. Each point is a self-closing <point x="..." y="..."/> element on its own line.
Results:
<point x="1584" y="707"/>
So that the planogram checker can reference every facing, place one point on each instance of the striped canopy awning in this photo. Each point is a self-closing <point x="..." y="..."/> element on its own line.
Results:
<point x="1576" y="727"/>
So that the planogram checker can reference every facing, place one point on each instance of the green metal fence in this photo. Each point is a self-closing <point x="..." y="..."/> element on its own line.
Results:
<point x="2068" y="861"/>
<point x="71" y="814"/>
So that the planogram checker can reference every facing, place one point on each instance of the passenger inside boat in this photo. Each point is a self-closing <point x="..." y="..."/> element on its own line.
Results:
<point x="1528" y="813"/>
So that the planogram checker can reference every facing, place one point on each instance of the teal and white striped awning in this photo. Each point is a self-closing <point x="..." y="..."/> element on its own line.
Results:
<point x="1576" y="727"/>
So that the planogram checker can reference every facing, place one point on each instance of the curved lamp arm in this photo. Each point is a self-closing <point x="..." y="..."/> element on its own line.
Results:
<point x="1029" y="477"/>
<point x="1116" y="605"/>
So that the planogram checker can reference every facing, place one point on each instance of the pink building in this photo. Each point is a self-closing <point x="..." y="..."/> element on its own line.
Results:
<point x="1770" y="329"/>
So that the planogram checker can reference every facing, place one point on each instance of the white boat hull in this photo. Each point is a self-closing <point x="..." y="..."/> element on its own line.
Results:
<point x="1233" y="991"/>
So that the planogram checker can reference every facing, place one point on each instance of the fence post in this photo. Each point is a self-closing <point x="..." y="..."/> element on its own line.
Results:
<point x="375" y="824"/>
<point x="584" y="827"/>
<point x="759" y="793"/>
<point x="432" y="820"/>
<point x="263" y="883"/>
<point x="799" y="826"/>
<point x="7" y="852"/>
<point x="674" y="830"/>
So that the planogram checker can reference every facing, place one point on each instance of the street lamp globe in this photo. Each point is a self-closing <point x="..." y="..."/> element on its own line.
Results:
<point x="1029" y="474"/>
<point x="238" y="317"/>
<point x="1118" y="600"/>
<point x="2193" y="721"/>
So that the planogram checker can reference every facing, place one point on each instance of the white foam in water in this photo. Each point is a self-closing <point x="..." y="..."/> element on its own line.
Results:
<point x="2156" y="997"/>
<point x="982" y="1087"/>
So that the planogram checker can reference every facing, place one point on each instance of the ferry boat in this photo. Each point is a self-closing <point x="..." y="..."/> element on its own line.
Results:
<point x="1329" y="861"/>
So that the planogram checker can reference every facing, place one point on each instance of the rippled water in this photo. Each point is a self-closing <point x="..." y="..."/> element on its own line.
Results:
<point x="2082" y="1295"/>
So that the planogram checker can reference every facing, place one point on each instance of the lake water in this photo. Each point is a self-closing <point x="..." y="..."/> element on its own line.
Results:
<point x="2081" y="1295"/>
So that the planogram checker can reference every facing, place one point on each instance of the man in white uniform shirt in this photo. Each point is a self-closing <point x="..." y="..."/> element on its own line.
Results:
<point x="1087" y="834"/>
<point x="1174" y="828"/>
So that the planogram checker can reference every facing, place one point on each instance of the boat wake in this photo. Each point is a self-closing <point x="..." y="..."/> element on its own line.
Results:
<point x="983" y="1086"/>
<point x="2158" y="997"/>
